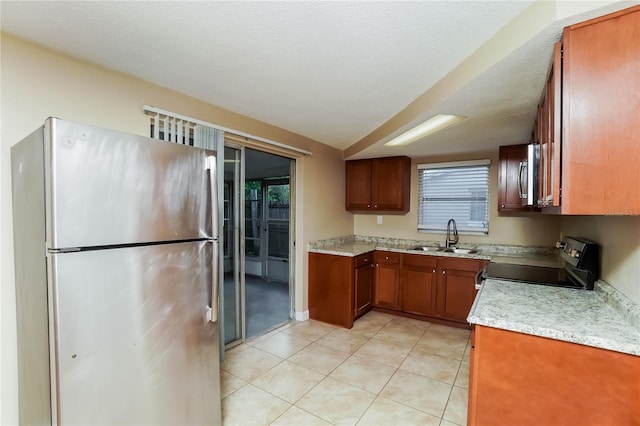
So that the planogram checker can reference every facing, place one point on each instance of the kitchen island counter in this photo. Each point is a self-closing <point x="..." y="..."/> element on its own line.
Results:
<point x="601" y="318"/>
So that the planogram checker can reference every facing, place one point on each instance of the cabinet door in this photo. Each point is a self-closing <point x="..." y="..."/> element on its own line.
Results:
<point x="512" y="170"/>
<point x="387" y="280"/>
<point x="419" y="284"/>
<point x="456" y="292"/>
<point x="331" y="289"/>
<point x="549" y="172"/>
<point x="363" y="286"/>
<point x="391" y="184"/>
<point x="359" y="184"/>
<point x="456" y="287"/>
<point x="601" y="94"/>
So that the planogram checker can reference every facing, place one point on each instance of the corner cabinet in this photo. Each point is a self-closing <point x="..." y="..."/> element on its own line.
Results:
<point x="587" y="124"/>
<point x="378" y="185"/>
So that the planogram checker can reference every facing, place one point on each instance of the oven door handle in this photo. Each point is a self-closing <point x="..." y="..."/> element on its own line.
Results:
<point x="480" y="276"/>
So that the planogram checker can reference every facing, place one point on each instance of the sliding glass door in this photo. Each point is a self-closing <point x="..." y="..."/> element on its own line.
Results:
<point x="257" y="243"/>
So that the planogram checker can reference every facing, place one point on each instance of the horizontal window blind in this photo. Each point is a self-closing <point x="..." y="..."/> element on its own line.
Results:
<point x="459" y="191"/>
<point x="179" y="128"/>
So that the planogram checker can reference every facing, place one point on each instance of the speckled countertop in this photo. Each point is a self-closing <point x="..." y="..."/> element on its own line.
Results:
<point x="601" y="318"/>
<point x="357" y="245"/>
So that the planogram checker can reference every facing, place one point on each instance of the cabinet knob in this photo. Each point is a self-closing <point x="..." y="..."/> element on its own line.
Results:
<point x="375" y="207"/>
<point x="502" y="206"/>
<point x="368" y="206"/>
<point x="386" y="257"/>
<point x="434" y="271"/>
<point x="444" y="272"/>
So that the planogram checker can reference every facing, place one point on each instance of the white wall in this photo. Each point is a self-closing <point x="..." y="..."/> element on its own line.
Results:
<point x="619" y="237"/>
<point x="38" y="83"/>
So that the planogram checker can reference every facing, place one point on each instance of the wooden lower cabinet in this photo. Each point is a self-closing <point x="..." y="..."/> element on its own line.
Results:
<point x="456" y="287"/>
<point x="433" y="287"/>
<point x="363" y="284"/>
<point x="419" y="284"/>
<point x="387" y="280"/>
<point x="520" y="379"/>
<point x="437" y="288"/>
<point x="339" y="287"/>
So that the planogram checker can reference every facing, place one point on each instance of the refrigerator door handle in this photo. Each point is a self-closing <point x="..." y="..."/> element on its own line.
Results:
<point x="212" y="312"/>
<point x="213" y="188"/>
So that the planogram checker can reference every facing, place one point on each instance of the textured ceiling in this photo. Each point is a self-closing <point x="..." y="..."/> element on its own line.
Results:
<point x="331" y="71"/>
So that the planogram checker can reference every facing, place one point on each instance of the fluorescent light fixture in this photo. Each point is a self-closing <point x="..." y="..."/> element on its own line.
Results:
<point x="432" y="125"/>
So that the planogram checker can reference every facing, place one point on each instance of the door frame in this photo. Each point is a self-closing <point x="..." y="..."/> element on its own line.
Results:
<point x="239" y="232"/>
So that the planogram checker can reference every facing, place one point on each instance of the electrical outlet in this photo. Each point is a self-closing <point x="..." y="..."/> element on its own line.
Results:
<point x="379" y="220"/>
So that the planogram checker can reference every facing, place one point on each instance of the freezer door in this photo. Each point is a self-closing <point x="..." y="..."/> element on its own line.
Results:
<point x="107" y="188"/>
<point x="132" y="339"/>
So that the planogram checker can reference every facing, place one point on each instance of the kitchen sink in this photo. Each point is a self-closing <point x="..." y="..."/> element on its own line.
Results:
<point x="426" y="248"/>
<point x="460" y="250"/>
<point x="444" y="249"/>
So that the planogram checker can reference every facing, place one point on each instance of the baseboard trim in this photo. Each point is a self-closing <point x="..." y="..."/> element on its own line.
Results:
<point x="302" y="316"/>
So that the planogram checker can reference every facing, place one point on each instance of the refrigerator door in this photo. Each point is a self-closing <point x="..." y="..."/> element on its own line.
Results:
<point x="132" y="342"/>
<point x="109" y="188"/>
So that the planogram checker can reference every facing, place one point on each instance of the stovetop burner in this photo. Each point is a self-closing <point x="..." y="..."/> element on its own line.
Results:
<point x="557" y="277"/>
<point x="581" y="267"/>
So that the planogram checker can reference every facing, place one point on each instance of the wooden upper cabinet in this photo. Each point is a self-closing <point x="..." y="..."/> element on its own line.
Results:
<point x="359" y="183"/>
<point x="549" y="125"/>
<point x="510" y="174"/>
<point x="600" y="115"/>
<point x="378" y="185"/>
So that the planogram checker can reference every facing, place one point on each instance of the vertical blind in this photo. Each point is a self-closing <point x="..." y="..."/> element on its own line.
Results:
<point x="457" y="190"/>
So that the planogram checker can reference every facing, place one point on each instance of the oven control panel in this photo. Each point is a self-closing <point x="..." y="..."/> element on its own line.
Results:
<point x="578" y="251"/>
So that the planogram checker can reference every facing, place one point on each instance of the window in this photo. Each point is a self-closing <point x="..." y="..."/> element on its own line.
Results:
<point x="457" y="190"/>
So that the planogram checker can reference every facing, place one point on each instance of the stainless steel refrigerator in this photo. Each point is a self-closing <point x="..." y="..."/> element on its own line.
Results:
<point x="116" y="278"/>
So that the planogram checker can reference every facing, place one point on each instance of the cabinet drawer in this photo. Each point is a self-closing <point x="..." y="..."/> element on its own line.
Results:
<point x="364" y="259"/>
<point x="471" y="265"/>
<point x="387" y="257"/>
<point x="420" y="260"/>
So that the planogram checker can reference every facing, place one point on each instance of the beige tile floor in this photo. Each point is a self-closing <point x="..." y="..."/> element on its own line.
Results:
<point x="386" y="370"/>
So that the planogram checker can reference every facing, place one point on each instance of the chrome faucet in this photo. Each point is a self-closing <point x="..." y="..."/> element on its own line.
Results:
<point x="451" y="242"/>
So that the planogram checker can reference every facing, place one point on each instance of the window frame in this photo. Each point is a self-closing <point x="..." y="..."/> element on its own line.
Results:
<point x="463" y="223"/>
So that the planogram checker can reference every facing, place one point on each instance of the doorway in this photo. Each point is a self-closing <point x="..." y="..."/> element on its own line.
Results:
<point x="257" y="242"/>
